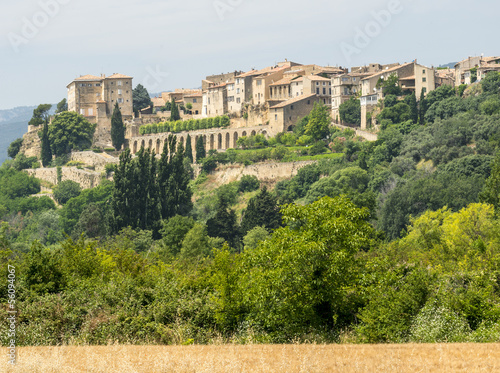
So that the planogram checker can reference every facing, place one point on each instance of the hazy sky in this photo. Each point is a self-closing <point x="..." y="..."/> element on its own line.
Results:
<point x="45" y="44"/>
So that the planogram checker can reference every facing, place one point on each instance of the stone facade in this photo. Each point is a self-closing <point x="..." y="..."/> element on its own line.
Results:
<point x="411" y="76"/>
<point x="286" y="114"/>
<point x="87" y="179"/>
<point x="95" y="98"/>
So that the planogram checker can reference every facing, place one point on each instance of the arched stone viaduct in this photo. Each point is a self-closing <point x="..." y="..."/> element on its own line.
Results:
<point x="215" y="138"/>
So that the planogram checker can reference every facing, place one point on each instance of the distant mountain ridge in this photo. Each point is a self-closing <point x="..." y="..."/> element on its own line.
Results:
<point x="451" y="65"/>
<point x="13" y="125"/>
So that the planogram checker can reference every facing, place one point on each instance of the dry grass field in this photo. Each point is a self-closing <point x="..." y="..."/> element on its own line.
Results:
<point x="261" y="358"/>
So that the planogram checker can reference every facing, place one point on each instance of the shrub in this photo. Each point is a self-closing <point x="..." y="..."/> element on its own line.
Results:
<point x="249" y="183"/>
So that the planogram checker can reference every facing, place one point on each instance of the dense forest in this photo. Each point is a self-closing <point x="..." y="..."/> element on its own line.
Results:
<point x="396" y="240"/>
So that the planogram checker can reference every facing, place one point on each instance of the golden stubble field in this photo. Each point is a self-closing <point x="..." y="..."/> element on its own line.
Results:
<point x="260" y="358"/>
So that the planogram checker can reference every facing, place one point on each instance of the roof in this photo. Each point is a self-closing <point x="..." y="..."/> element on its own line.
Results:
<point x="408" y="78"/>
<point x="89" y="77"/>
<point x="158" y="101"/>
<point x="194" y="95"/>
<point x="316" y="78"/>
<point x="392" y="69"/>
<point x="283" y="81"/>
<point x="119" y="76"/>
<point x="292" y="101"/>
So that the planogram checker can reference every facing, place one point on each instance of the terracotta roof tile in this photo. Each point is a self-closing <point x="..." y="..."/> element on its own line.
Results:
<point x="89" y="78"/>
<point x="119" y="76"/>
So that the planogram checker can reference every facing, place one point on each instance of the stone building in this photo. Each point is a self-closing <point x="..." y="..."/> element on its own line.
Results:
<point x="344" y="87"/>
<point x="86" y="92"/>
<point x="284" y="115"/>
<point x="464" y="69"/>
<point x="95" y="97"/>
<point x="412" y="77"/>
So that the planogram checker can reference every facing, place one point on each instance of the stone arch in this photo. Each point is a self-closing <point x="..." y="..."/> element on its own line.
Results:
<point x="253" y="133"/>
<point x="150" y="144"/>
<point x="181" y="140"/>
<point x="205" y="142"/>
<point x="212" y="142"/>
<point x="264" y="132"/>
<point x="143" y="144"/>
<point x="235" y="139"/>
<point x="134" y="148"/>
<point x="219" y="141"/>
<point x="157" y="146"/>
<point x="228" y="138"/>
<point x="290" y="128"/>
<point x="244" y="133"/>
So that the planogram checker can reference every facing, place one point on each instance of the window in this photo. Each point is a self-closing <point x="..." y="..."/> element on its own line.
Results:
<point x="119" y="91"/>
<point x="82" y="111"/>
<point x="291" y="107"/>
<point x="98" y="84"/>
<point x="195" y="100"/>
<point x="330" y="91"/>
<point x="238" y="100"/>
<point x="119" y="82"/>
<point x="91" y="112"/>
<point x="82" y="85"/>
<point x="317" y="83"/>
<point x="90" y="85"/>
<point x="423" y="71"/>
<point x="276" y="117"/>
<point x="237" y="90"/>
<point x="120" y="100"/>
<point x="424" y="79"/>
<point x="324" y="83"/>
<point x="259" y="82"/>
<point x="317" y="91"/>
<point x="308" y="102"/>
<point x="324" y="91"/>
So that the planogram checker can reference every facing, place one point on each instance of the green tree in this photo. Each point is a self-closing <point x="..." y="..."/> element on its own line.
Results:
<point x="189" y="149"/>
<point x="140" y="98"/>
<point x="46" y="152"/>
<point x="411" y="101"/>
<point x="62" y="106"/>
<point x="319" y="122"/>
<point x="254" y="237"/>
<point x="92" y="222"/>
<point x="350" y="111"/>
<point x="422" y="108"/>
<point x="248" y="183"/>
<point x="223" y="224"/>
<point x="195" y="244"/>
<point x="200" y="149"/>
<point x="69" y="131"/>
<point x="390" y="85"/>
<point x="302" y="277"/>
<point x="66" y="190"/>
<point x="40" y="115"/>
<point x="117" y="128"/>
<point x="174" y="111"/>
<point x="174" y="231"/>
<point x="14" y="148"/>
<point x="43" y="270"/>
<point x="491" y="191"/>
<point x="262" y="211"/>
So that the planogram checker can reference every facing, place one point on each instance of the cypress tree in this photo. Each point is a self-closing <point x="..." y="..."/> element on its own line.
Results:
<point x="262" y="211"/>
<point x="117" y="128"/>
<point x="413" y="108"/>
<point x="200" y="149"/>
<point x="189" y="149"/>
<point x="422" y="108"/>
<point x="46" y="153"/>
<point x="174" y="112"/>
<point x="123" y="192"/>
<point x="223" y="224"/>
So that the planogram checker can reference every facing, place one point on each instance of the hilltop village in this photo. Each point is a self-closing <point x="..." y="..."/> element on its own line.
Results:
<point x="267" y="101"/>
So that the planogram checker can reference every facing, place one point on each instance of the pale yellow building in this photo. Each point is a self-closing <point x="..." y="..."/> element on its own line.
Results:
<point x="85" y="92"/>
